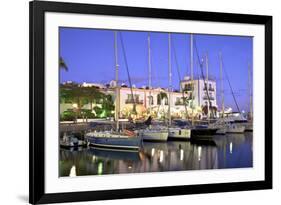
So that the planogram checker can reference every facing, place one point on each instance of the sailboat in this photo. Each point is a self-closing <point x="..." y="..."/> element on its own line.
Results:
<point x="156" y="133"/>
<point x="115" y="139"/>
<point x="237" y="118"/>
<point x="249" y="124"/>
<point x="70" y="141"/>
<point x="227" y="123"/>
<point x="199" y="131"/>
<point x="175" y="132"/>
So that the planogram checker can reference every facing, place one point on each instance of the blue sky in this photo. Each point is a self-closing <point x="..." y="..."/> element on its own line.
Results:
<point x="89" y="55"/>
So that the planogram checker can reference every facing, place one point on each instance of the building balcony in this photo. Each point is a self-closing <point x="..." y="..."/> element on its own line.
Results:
<point x="179" y="103"/>
<point x="187" y="89"/>
<point x="130" y="101"/>
<point x="206" y="97"/>
<point x="210" y="89"/>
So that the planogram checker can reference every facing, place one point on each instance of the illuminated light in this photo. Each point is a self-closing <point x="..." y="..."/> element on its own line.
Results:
<point x="100" y="168"/>
<point x="72" y="171"/>
<point x="181" y="154"/>
<point x="199" y="153"/>
<point x="75" y="105"/>
<point x="103" y="114"/>
<point x="129" y="167"/>
<point x="94" y="158"/>
<point x="152" y="152"/>
<point x="230" y="147"/>
<point x="161" y="156"/>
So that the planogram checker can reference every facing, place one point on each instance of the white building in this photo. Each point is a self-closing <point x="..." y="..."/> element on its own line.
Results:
<point x="141" y="98"/>
<point x="200" y="97"/>
<point x="149" y="100"/>
<point x="98" y="85"/>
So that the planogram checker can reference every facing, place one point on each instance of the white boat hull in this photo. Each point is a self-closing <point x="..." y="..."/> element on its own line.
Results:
<point x="179" y="133"/>
<point x="248" y="126"/>
<point x="234" y="128"/>
<point x="152" y="135"/>
<point x="221" y="131"/>
<point x="113" y="140"/>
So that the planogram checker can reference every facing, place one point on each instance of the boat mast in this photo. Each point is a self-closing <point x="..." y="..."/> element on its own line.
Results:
<point x="222" y="89"/>
<point x="116" y="79"/>
<point x="250" y="91"/>
<point x="179" y="76"/>
<point x="207" y="87"/>
<point x="149" y="73"/>
<point x="170" y="79"/>
<point x="191" y="75"/>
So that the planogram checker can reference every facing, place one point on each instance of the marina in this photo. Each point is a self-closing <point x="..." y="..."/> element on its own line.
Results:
<point x="227" y="151"/>
<point x="190" y="121"/>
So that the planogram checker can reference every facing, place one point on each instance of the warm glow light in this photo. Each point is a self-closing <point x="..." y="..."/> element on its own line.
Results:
<point x="199" y="153"/>
<point x="100" y="168"/>
<point x="94" y="158"/>
<point x="181" y="154"/>
<point x="129" y="167"/>
<point x="72" y="171"/>
<point x="152" y="152"/>
<point x="161" y="156"/>
<point x="75" y="105"/>
<point x="230" y="147"/>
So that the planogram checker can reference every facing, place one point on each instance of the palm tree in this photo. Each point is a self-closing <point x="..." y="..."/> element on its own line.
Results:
<point x="160" y="97"/>
<point x="73" y="93"/>
<point x="62" y="64"/>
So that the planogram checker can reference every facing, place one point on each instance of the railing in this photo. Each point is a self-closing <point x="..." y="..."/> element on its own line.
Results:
<point x="130" y="101"/>
<point x="179" y="103"/>
<point x="188" y="88"/>
<point x="206" y="97"/>
<point x="210" y="89"/>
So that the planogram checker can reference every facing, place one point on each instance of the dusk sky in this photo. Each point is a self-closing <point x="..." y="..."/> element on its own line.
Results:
<point x="89" y="56"/>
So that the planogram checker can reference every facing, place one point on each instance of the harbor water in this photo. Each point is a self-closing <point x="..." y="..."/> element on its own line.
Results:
<point x="223" y="151"/>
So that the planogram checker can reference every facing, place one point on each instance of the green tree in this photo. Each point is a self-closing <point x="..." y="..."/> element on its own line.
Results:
<point x="75" y="94"/>
<point x="62" y="64"/>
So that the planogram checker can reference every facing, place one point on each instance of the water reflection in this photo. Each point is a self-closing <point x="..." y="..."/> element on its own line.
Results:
<point x="229" y="151"/>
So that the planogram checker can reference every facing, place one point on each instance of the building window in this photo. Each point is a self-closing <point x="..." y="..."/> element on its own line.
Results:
<point x="162" y="96"/>
<point x="150" y="100"/>
<point x="131" y="100"/>
<point x="166" y="101"/>
<point x="188" y="87"/>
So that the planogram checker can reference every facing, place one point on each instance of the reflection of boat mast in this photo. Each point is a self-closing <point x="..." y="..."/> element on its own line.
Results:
<point x="170" y="79"/>
<point x="116" y="79"/>
<point x="222" y="89"/>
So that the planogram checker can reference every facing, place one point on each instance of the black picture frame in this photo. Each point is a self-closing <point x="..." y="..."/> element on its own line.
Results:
<point x="37" y="10"/>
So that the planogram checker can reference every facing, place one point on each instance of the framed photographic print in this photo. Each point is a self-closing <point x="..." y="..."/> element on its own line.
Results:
<point x="139" y="102"/>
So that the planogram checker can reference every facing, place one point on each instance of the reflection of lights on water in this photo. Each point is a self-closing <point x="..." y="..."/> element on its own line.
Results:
<point x="152" y="152"/>
<point x="161" y="156"/>
<point x="94" y="158"/>
<point x="230" y="147"/>
<point x="181" y="154"/>
<point x="72" y="171"/>
<point x="199" y="153"/>
<point x="100" y="168"/>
